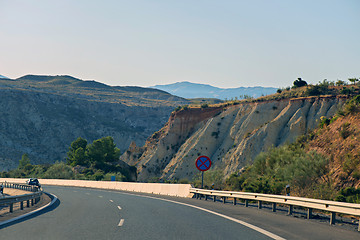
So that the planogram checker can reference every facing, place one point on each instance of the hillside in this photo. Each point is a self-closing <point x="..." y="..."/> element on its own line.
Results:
<point x="42" y="115"/>
<point x="338" y="139"/>
<point x="92" y="91"/>
<point x="322" y="164"/>
<point x="195" y="90"/>
<point x="231" y="135"/>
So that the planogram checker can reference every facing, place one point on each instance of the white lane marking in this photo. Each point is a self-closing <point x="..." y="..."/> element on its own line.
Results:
<point x="87" y="193"/>
<point x="100" y="196"/>
<point x="119" y="207"/>
<point x="111" y="201"/>
<point x="121" y="222"/>
<point x="74" y="191"/>
<point x="253" y="227"/>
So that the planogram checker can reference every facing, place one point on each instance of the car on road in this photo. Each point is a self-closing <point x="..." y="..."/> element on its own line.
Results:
<point x="33" y="181"/>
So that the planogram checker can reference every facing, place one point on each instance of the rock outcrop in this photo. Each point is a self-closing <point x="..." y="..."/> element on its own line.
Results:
<point x="232" y="136"/>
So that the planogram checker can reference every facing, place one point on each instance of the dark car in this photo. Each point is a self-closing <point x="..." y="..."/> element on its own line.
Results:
<point x="33" y="181"/>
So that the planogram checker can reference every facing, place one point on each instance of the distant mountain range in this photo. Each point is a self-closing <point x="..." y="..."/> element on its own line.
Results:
<point x="196" y="90"/>
<point x="1" y="76"/>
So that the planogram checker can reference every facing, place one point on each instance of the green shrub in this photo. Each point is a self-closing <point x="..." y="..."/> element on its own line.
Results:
<point x="356" y="174"/>
<point x="299" y="83"/>
<point x="274" y="169"/>
<point x="204" y="105"/>
<point x="346" y="91"/>
<point x="324" y="122"/>
<point x="118" y="176"/>
<point x="98" y="175"/>
<point x="59" y="170"/>
<point x="350" y="163"/>
<point x="212" y="176"/>
<point x="349" y="194"/>
<point x="344" y="130"/>
<point x="352" y="106"/>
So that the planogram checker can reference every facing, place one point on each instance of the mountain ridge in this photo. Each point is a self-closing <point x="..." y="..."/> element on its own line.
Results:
<point x="188" y="89"/>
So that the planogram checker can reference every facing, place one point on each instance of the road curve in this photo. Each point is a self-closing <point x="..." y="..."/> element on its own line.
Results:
<point x="101" y="214"/>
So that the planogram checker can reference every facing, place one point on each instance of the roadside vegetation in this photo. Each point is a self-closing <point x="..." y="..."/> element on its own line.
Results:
<point x="281" y="166"/>
<point x="96" y="161"/>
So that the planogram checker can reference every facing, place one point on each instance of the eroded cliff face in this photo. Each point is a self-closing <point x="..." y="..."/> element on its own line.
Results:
<point x="232" y="136"/>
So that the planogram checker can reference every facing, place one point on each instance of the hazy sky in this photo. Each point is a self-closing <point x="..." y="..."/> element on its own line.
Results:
<point x="146" y="42"/>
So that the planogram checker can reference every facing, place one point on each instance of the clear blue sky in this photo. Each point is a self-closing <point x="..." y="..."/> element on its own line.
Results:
<point x="146" y="42"/>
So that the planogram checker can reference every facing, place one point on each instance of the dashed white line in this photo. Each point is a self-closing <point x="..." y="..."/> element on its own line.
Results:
<point x="100" y="196"/>
<point x="119" y="207"/>
<point x="260" y="230"/>
<point x="111" y="200"/>
<point x="87" y="193"/>
<point x="121" y="222"/>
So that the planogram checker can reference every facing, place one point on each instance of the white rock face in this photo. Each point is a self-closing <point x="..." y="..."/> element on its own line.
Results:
<point x="232" y="137"/>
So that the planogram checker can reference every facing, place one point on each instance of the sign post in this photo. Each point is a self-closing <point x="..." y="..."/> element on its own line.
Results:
<point x="203" y="163"/>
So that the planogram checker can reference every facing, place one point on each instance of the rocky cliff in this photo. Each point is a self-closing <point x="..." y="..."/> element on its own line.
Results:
<point x="42" y="115"/>
<point x="232" y="136"/>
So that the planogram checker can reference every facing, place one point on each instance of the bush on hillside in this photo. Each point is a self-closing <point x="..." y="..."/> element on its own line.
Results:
<point x="349" y="194"/>
<point x="59" y="170"/>
<point x="299" y="83"/>
<point x="213" y="176"/>
<point x="274" y="169"/>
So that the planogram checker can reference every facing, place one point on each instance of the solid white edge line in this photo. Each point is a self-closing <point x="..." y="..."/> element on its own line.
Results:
<point x="121" y="222"/>
<point x="55" y="198"/>
<point x="253" y="227"/>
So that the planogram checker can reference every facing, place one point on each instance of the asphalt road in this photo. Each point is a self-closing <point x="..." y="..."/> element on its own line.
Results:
<point x="101" y="214"/>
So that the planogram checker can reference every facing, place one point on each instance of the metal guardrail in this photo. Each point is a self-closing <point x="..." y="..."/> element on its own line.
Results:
<point x="30" y="198"/>
<point x="329" y="206"/>
<point x="25" y="187"/>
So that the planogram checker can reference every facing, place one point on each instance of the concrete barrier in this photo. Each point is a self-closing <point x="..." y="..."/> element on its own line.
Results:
<point x="178" y="190"/>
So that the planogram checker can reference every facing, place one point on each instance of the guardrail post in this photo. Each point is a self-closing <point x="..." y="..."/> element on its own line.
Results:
<point x="333" y="218"/>
<point x="246" y="203"/>
<point x="214" y="198"/>
<point x="359" y="225"/>
<point x="234" y="202"/>
<point x="206" y="197"/>
<point x="32" y="202"/>
<point x="259" y="204"/>
<point x="224" y="199"/>
<point x="28" y="203"/>
<point x="21" y="205"/>
<point x="11" y="207"/>
<point x="291" y="209"/>
<point x="309" y="213"/>
<point x="274" y="207"/>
